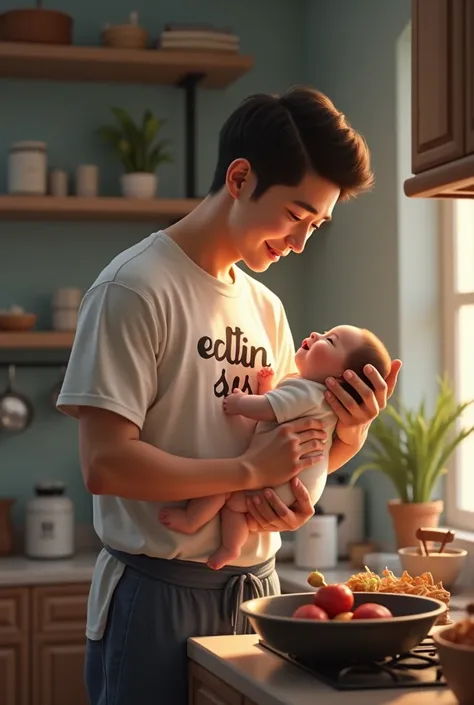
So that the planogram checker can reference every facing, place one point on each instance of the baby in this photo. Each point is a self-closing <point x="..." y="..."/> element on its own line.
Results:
<point x="296" y="396"/>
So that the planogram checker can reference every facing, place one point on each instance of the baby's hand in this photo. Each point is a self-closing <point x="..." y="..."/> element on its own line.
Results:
<point x="232" y="402"/>
<point x="265" y="380"/>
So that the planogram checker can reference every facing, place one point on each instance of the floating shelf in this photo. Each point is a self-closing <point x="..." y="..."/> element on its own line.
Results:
<point x="103" y="64"/>
<point x="35" y="340"/>
<point x="94" y="209"/>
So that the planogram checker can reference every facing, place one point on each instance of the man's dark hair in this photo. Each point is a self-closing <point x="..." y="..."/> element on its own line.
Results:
<point x="285" y="137"/>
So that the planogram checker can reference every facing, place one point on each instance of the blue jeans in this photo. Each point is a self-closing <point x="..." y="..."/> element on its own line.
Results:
<point x="157" y="605"/>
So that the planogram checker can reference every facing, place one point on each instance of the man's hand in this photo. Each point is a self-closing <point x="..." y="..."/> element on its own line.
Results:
<point x="266" y="511"/>
<point x="354" y="419"/>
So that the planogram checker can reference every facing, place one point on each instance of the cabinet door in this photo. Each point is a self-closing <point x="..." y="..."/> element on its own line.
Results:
<point x="14" y="674"/>
<point x="58" y="670"/>
<point x="469" y="63"/>
<point x="206" y="689"/>
<point x="438" y="80"/>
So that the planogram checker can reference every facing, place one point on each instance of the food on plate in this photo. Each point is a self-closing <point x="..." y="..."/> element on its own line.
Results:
<point x="343" y="617"/>
<point x="334" y="599"/>
<point x="370" y="610"/>
<point x="310" y="612"/>
<point x="422" y="585"/>
<point x="462" y="632"/>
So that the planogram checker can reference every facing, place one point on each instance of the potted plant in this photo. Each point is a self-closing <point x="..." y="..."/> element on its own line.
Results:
<point x="412" y="448"/>
<point x="139" y="151"/>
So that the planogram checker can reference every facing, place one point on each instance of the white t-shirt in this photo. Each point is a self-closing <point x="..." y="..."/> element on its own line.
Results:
<point x="295" y="398"/>
<point x="160" y="342"/>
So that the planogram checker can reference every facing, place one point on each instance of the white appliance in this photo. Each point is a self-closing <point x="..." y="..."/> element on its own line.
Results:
<point x="316" y="543"/>
<point x="49" y="523"/>
<point x="348" y="503"/>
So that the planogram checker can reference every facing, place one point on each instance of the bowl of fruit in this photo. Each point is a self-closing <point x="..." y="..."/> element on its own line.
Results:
<point x="335" y="624"/>
<point x="456" y="654"/>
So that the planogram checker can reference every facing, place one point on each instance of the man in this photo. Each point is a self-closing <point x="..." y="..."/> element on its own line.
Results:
<point x="168" y="329"/>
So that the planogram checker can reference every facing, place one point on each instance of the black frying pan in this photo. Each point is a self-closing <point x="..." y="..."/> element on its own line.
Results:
<point x="16" y="410"/>
<point x="343" y="642"/>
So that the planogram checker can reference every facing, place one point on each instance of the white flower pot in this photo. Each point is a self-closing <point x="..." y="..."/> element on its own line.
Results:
<point x="139" y="185"/>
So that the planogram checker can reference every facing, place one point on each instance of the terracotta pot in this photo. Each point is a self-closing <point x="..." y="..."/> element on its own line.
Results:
<point x="6" y="529"/>
<point x="409" y="517"/>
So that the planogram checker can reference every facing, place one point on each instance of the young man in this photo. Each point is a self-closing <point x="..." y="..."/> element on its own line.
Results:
<point x="168" y="329"/>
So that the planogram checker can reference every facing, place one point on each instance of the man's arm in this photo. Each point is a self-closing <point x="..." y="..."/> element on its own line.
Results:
<point x="340" y="452"/>
<point x="116" y="462"/>
<point x="251" y="406"/>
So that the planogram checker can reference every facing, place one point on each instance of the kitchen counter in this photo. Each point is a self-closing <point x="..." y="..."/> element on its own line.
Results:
<point x="266" y="679"/>
<point x="19" y="570"/>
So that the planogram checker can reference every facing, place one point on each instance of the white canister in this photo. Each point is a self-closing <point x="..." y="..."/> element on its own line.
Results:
<point x="87" y="180"/>
<point x="27" y="168"/>
<point x="65" y="305"/>
<point x="49" y="523"/>
<point x="316" y="543"/>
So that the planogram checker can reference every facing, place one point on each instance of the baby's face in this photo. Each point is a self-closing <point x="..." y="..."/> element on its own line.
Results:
<point x="324" y="355"/>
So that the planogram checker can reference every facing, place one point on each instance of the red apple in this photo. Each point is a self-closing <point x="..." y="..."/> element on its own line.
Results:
<point x="370" y="610"/>
<point x="334" y="599"/>
<point x="310" y="612"/>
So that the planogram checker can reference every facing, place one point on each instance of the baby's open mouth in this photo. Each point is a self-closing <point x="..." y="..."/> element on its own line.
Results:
<point x="305" y="345"/>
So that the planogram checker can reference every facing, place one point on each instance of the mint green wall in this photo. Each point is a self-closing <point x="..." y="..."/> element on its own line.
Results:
<point x="376" y="266"/>
<point x="36" y="258"/>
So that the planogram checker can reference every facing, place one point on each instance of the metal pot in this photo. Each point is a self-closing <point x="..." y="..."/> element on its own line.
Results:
<point x="16" y="410"/>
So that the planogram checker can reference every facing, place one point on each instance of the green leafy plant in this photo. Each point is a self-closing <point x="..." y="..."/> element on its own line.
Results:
<point x="412" y="448"/>
<point x="136" y="145"/>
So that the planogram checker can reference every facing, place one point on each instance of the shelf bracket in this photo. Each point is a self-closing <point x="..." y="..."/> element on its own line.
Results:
<point x="189" y="83"/>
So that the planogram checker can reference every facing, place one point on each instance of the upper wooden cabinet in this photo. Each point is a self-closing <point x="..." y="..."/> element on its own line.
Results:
<point x="442" y="99"/>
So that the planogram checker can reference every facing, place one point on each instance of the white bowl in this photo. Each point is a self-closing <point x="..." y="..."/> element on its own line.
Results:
<point x="444" y="567"/>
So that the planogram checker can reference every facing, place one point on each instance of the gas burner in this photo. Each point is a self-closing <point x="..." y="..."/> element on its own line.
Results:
<point x="418" y="668"/>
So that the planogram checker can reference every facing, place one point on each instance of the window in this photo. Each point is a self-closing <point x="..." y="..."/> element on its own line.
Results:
<point x="457" y="269"/>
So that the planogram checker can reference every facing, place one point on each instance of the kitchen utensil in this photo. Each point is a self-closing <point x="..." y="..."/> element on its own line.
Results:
<point x="6" y="529"/>
<point x="457" y="662"/>
<point x="36" y="25"/>
<point x="443" y="536"/>
<point x="444" y="567"/>
<point x="359" y="641"/>
<point x="16" y="410"/>
<point x="17" y="321"/>
<point x="49" y="523"/>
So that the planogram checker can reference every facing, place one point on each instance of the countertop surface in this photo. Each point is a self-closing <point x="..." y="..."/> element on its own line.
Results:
<point x="267" y="679"/>
<point x="19" y="570"/>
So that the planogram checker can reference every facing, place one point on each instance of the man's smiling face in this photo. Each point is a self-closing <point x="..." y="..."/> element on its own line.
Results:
<point x="281" y="220"/>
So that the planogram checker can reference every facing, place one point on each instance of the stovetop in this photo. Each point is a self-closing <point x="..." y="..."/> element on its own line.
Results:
<point x="419" y="668"/>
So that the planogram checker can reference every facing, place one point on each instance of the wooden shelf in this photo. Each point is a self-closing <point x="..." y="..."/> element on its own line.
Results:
<point x="94" y="209"/>
<point x="102" y="64"/>
<point x="35" y="340"/>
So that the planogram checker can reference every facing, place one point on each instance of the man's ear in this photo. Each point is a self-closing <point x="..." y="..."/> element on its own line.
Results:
<point x="237" y="175"/>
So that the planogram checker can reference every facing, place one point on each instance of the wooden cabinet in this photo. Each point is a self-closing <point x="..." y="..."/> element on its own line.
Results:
<point x="42" y="645"/>
<point x="442" y="99"/>
<point x="58" y="644"/>
<point x="207" y="689"/>
<point x="14" y="646"/>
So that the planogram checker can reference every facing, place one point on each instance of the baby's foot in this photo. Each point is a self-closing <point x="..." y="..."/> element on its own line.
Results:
<point x="177" y="519"/>
<point x="265" y="380"/>
<point x="221" y="558"/>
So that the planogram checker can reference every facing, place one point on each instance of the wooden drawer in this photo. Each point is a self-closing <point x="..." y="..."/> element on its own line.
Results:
<point x="60" y="608"/>
<point x="14" y="613"/>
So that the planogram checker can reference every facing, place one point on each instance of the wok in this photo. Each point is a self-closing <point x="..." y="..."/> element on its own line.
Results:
<point x="357" y="641"/>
